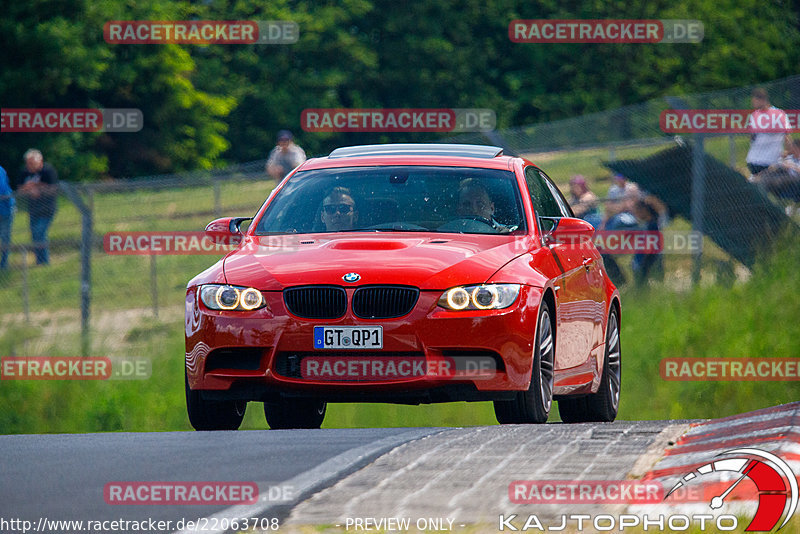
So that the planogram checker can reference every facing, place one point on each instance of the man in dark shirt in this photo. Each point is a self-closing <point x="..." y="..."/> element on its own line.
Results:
<point x="37" y="188"/>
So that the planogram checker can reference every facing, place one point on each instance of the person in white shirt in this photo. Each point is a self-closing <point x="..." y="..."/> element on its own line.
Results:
<point x="769" y="127"/>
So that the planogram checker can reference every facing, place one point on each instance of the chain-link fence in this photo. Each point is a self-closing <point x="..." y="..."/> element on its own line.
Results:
<point x="699" y="179"/>
<point x="50" y="307"/>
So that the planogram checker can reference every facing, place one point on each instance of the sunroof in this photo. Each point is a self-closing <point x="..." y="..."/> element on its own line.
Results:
<point x="419" y="149"/>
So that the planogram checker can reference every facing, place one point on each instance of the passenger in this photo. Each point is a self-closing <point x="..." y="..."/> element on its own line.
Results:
<point x="474" y="202"/>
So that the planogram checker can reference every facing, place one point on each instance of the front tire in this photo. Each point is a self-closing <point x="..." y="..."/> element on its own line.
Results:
<point x="603" y="405"/>
<point x="295" y="413"/>
<point x="533" y="405"/>
<point x="213" y="415"/>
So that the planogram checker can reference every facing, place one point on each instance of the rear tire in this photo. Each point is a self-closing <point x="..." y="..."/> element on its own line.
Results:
<point x="213" y="415"/>
<point x="533" y="405"/>
<point x="603" y="405"/>
<point x="295" y="413"/>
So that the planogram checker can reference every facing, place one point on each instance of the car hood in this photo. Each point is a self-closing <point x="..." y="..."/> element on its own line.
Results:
<point x="272" y="263"/>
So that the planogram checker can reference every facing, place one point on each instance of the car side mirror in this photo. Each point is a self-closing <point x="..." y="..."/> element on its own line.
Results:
<point x="225" y="227"/>
<point x="567" y="231"/>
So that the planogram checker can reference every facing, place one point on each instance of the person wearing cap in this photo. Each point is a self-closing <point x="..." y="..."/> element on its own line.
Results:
<point x="583" y="201"/>
<point x="285" y="156"/>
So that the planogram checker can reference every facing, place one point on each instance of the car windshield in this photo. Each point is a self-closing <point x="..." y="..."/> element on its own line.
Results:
<point x="397" y="198"/>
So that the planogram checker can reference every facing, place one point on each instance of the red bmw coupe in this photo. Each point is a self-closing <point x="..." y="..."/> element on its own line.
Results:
<point x="406" y="273"/>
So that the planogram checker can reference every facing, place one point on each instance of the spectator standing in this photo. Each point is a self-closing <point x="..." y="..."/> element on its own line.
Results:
<point x="583" y="201"/>
<point x="37" y="188"/>
<point x="6" y="218"/>
<point x="646" y="263"/>
<point x="769" y="127"/>
<point x="619" y="204"/>
<point x="783" y="178"/>
<point x="285" y="156"/>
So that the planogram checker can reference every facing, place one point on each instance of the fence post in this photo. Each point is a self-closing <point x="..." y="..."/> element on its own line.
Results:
<point x="86" y="261"/>
<point x="698" y="186"/>
<point x="26" y="307"/>
<point x="154" y="284"/>
<point x="217" y="198"/>
<point x="698" y="198"/>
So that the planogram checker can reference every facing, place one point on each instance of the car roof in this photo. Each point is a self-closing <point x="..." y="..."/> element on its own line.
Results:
<point x="450" y="155"/>
<point x="418" y="149"/>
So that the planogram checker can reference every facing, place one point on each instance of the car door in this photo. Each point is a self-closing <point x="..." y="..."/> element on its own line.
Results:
<point x="574" y="314"/>
<point x="592" y="261"/>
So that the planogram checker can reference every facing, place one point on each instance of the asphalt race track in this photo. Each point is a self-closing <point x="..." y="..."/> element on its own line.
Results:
<point x="450" y="477"/>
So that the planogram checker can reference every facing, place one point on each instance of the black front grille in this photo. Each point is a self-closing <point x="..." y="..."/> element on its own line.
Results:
<point x="384" y="302"/>
<point x="316" y="302"/>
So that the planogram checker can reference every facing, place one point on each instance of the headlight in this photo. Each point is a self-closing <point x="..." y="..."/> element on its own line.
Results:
<point x="225" y="297"/>
<point x="480" y="297"/>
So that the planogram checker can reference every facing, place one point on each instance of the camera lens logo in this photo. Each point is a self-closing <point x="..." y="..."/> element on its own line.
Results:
<point x="772" y="477"/>
<point x="351" y="277"/>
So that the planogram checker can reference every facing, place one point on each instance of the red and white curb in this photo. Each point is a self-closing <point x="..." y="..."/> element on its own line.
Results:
<point x="708" y="460"/>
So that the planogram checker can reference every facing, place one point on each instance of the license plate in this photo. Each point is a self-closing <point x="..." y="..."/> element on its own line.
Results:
<point x="348" y="337"/>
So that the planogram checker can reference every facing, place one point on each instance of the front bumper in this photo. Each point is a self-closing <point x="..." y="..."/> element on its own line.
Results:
<point x="259" y="355"/>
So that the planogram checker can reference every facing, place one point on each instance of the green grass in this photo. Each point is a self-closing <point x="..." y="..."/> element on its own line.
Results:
<point x="755" y="319"/>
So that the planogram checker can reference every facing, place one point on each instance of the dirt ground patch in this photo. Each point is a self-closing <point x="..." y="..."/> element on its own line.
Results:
<point x="110" y="330"/>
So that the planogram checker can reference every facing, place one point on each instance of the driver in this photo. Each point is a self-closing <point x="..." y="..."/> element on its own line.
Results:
<point x="339" y="212"/>
<point x="474" y="202"/>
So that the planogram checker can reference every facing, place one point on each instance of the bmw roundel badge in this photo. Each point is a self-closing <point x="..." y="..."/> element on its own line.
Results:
<point x="351" y="277"/>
